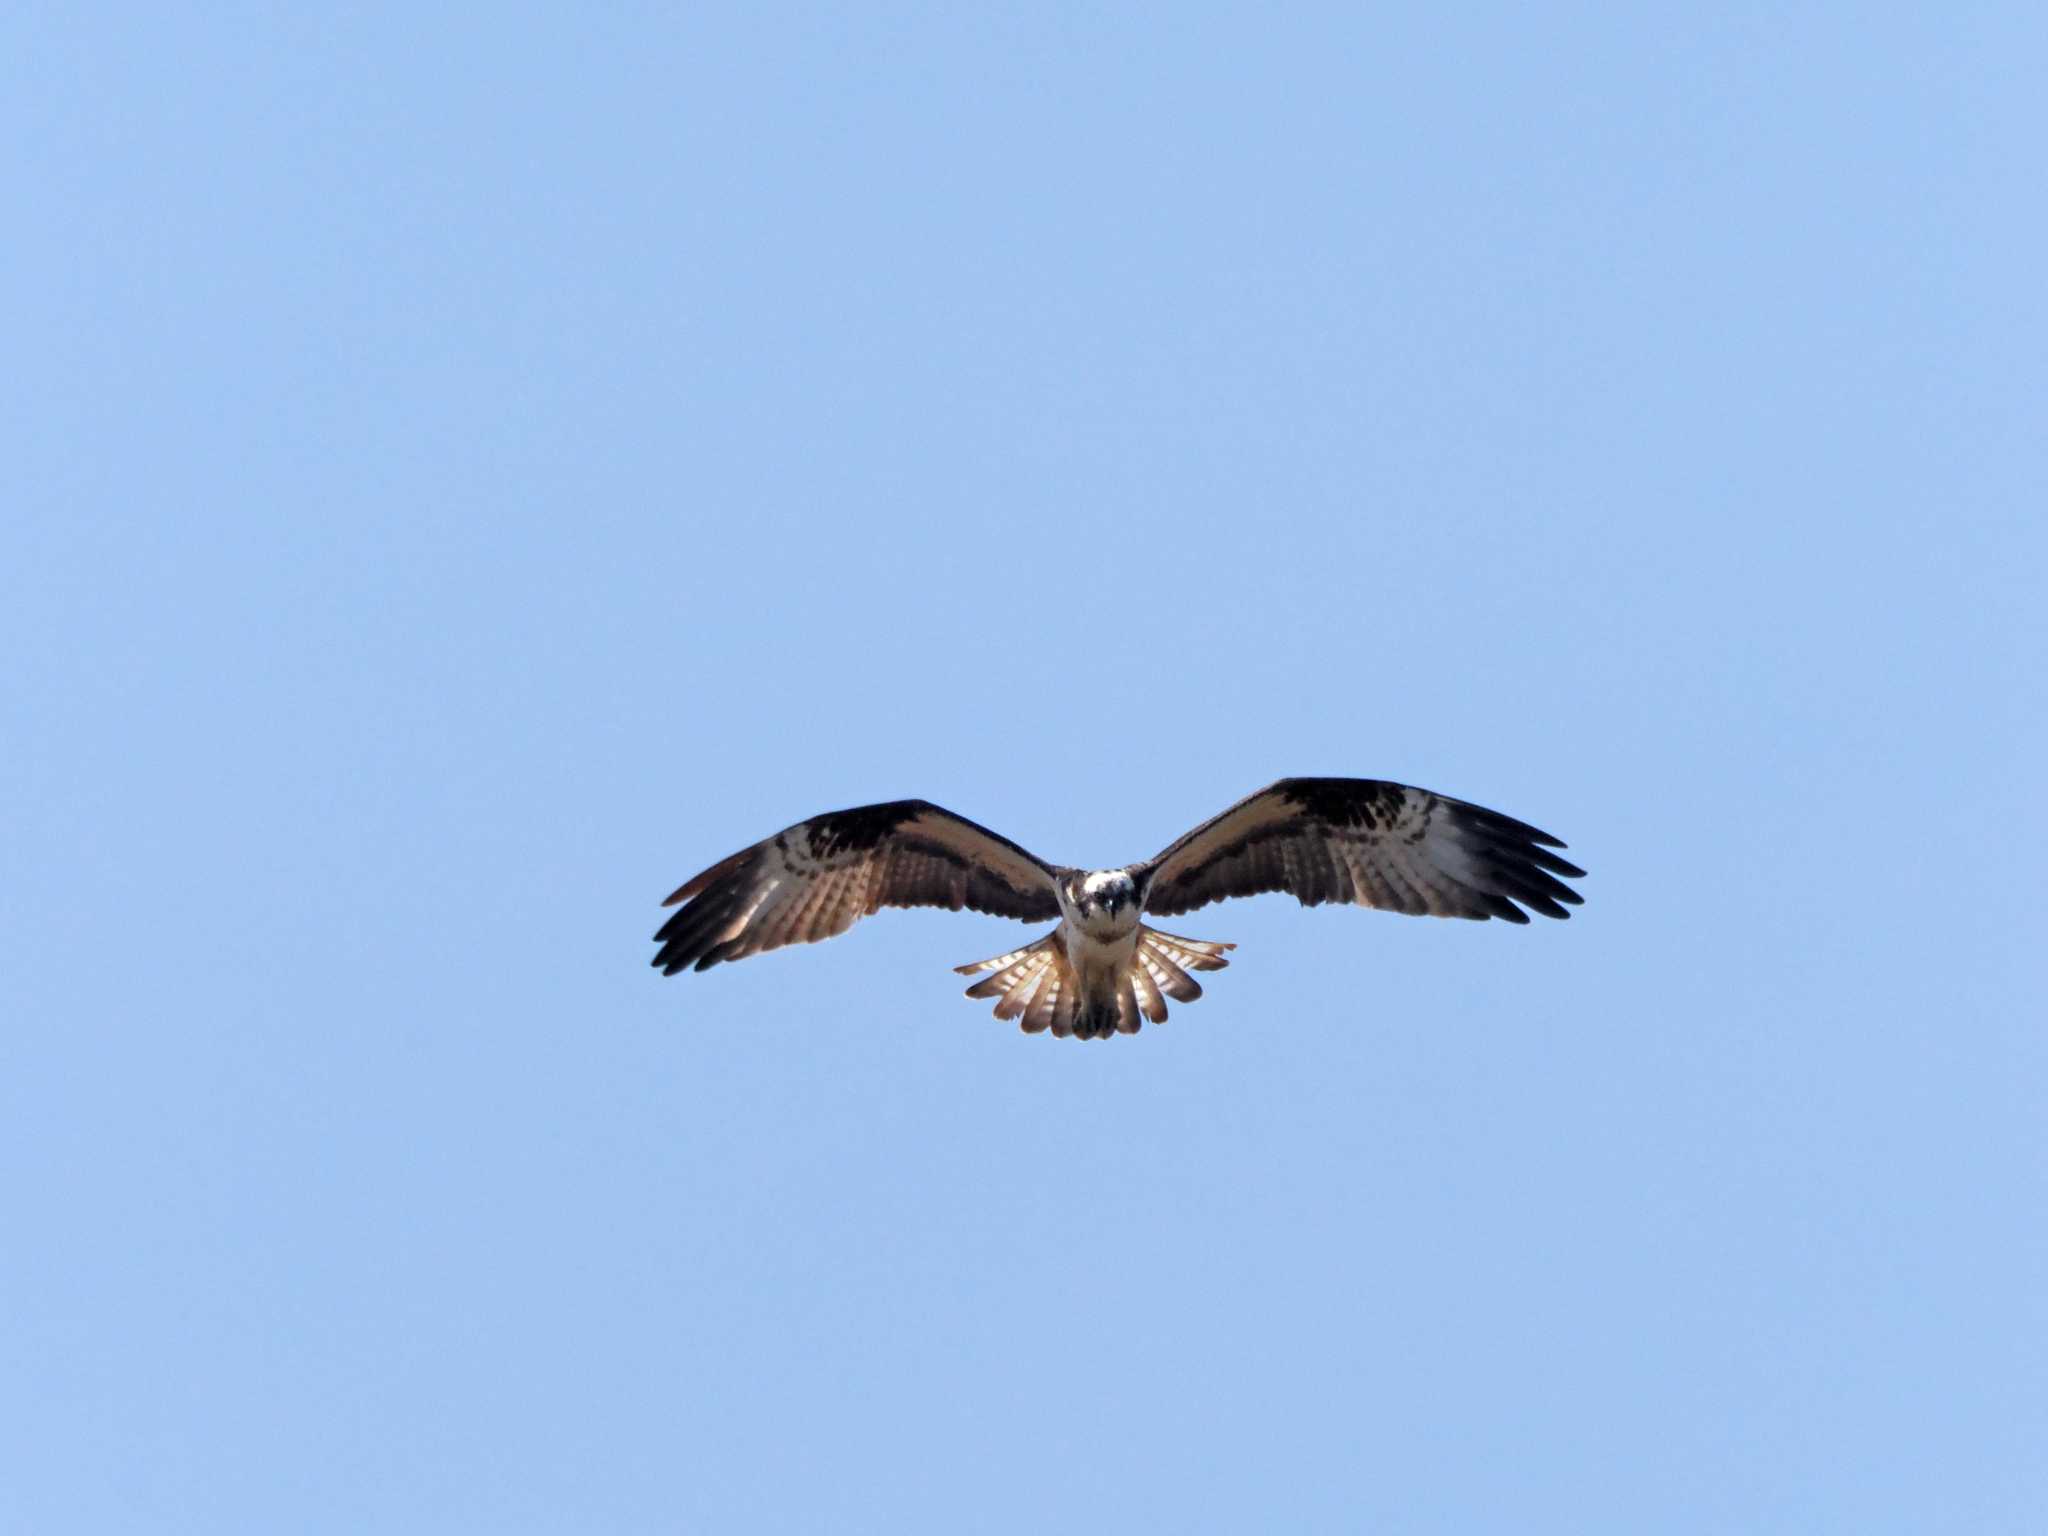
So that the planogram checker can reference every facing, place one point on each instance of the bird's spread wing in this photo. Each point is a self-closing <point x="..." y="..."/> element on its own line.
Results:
<point x="817" y="878"/>
<point x="1370" y="843"/>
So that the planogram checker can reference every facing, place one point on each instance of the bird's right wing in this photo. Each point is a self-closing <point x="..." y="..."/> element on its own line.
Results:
<point x="819" y="877"/>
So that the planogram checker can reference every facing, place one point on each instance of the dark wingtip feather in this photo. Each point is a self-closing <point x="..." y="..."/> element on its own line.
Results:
<point x="690" y="933"/>
<point x="698" y="883"/>
<point x="1514" y="858"/>
<point x="1543" y="859"/>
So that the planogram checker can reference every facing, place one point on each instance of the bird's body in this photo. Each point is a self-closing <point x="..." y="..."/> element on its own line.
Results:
<point x="1098" y="934"/>
<point x="1103" y="970"/>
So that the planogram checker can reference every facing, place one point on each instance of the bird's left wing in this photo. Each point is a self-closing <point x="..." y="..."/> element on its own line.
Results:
<point x="819" y="877"/>
<point x="1367" y="842"/>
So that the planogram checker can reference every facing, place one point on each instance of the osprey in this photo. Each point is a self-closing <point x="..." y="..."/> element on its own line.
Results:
<point x="1102" y="971"/>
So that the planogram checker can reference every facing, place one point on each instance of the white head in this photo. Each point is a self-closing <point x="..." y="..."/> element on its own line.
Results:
<point x="1103" y="901"/>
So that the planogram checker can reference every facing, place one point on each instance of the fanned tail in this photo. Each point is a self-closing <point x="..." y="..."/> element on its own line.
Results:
<point x="1038" y="987"/>
<point x="1166" y="958"/>
<point x="1033" y="985"/>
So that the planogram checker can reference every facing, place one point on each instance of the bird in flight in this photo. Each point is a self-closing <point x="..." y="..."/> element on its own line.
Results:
<point x="1102" y="971"/>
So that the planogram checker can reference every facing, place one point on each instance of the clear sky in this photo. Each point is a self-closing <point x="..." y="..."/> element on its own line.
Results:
<point x="464" y="472"/>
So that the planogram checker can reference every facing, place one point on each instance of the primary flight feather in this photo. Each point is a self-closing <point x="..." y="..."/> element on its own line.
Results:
<point x="1102" y="971"/>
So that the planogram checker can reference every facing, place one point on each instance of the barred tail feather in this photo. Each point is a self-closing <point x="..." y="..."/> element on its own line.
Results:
<point x="1033" y="983"/>
<point x="1038" y="987"/>
<point x="1150" y="1001"/>
<point x="1167" y="958"/>
<point x="1053" y="1006"/>
<point x="1128" y="1021"/>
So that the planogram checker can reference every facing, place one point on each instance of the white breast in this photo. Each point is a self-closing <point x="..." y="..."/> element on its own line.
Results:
<point x="1101" y="953"/>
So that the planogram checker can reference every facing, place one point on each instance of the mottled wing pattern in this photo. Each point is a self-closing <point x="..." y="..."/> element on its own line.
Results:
<point x="819" y="877"/>
<point x="1370" y="843"/>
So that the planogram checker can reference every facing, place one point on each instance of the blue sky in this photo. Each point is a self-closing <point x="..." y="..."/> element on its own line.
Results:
<point x="468" y="471"/>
